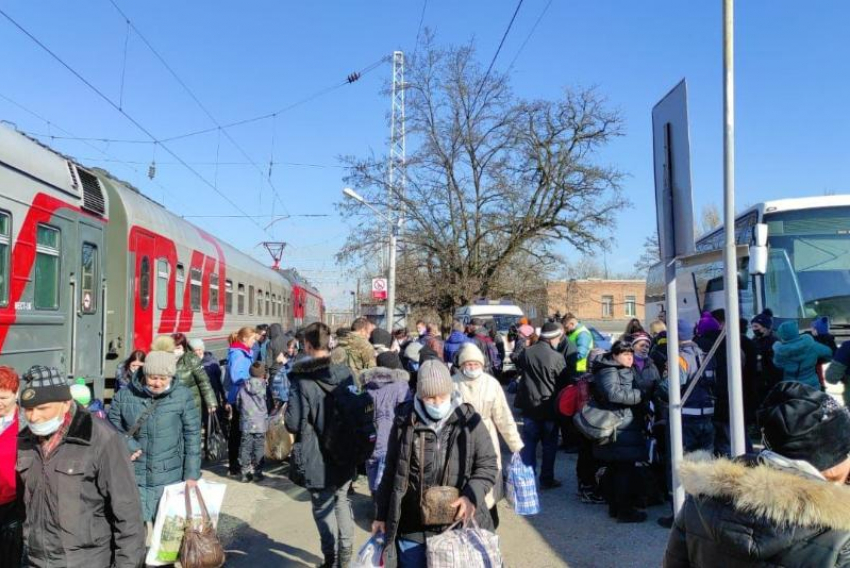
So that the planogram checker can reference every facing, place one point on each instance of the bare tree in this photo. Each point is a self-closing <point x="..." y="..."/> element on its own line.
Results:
<point x="492" y="182"/>
<point x="650" y="256"/>
<point x="710" y="218"/>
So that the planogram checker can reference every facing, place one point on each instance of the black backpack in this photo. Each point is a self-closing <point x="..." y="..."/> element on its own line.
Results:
<point x="349" y="435"/>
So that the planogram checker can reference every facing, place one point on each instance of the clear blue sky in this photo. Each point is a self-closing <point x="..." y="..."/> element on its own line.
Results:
<point x="249" y="58"/>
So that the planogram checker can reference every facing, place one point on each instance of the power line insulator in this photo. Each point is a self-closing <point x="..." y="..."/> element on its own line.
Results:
<point x="353" y="77"/>
<point x="152" y="170"/>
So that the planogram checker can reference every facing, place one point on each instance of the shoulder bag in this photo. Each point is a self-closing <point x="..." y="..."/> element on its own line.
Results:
<point x="131" y="433"/>
<point x="200" y="547"/>
<point x="435" y="502"/>
<point x="598" y="425"/>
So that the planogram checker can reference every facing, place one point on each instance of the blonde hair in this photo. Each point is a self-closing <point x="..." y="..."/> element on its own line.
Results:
<point x="656" y="327"/>
<point x="163" y="343"/>
<point x="242" y="334"/>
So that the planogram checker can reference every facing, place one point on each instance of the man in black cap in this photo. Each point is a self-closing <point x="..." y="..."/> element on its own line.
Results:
<point x="543" y="370"/>
<point x="79" y="491"/>
<point x="787" y="506"/>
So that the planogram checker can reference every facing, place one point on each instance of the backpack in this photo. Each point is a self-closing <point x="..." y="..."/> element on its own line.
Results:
<point x="572" y="398"/>
<point x="349" y="435"/>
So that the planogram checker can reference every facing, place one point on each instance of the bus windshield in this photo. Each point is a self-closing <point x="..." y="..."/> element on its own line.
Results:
<point x="809" y="264"/>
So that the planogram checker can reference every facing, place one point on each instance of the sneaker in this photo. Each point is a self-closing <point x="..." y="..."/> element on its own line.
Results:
<point x="666" y="522"/>
<point x="631" y="516"/>
<point x="246" y="478"/>
<point x="550" y="484"/>
<point x="591" y="497"/>
<point x="258" y="476"/>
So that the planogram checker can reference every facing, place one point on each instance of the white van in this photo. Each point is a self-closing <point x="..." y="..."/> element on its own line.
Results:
<point x="503" y="315"/>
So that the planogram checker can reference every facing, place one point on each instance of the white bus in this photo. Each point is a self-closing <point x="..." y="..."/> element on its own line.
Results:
<point x="807" y="273"/>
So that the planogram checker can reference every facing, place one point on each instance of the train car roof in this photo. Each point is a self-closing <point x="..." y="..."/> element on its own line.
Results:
<point x="295" y="278"/>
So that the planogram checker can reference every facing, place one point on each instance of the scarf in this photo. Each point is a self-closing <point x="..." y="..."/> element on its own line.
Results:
<point x="50" y="443"/>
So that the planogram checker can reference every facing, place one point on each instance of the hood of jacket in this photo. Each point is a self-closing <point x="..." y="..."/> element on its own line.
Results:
<point x="319" y="369"/>
<point x="607" y="361"/>
<point x="457" y="338"/>
<point x="376" y="377"/>
<point x="797" y="348"/>
<point x="772" y="501"/>
<point x="276" y="339"/>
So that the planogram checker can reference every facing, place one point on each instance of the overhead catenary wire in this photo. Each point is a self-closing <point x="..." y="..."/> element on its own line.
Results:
<point x="135" y="122"/>
<point x="498" y="50"/>
<point x="530" y="33"/>
<point x="194" y="97"/>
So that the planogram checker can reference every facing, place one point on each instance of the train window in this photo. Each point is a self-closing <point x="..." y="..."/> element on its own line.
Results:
<point x="274" y="305"/>
<point x="162" y="283"/>
<point x="180" y="288"/>
<point x="145" y="283"/>
<point x="268" y="305"/>
<point x="195" y="290"/>
<point x="214" y="308"/>
<point x="47" y="268"/>
<point x="259" y="302"/>
<point x="280" y="307"/>
<point x="228" y="296"/>
<point x="88" y="278"/>
<point x="240" y="301"/>
<point x="251" y="300"/>
<point x="5" y="240"/>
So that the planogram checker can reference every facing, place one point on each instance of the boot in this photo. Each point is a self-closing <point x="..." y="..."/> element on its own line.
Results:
<point x="344" y="557"/>
<point x="330" y="561"/>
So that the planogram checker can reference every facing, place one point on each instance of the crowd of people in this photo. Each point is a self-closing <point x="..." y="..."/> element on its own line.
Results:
<point x="425" y="417"/>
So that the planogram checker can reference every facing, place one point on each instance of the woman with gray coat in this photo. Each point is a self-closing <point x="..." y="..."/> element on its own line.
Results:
<point x="164" y="424"/>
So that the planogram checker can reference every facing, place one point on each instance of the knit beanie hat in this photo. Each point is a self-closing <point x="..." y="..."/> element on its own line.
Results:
<point x="197" y="343"/>
<point x="821" y="325"/>
<point x="803" y="423"/>
<point x="160" y="363"/>
<point x="163" y="343"/>
<point x="641" y="336"/>
<point x="470" y="352"/>
<point x="686" y="330"/>
<point x="788" y="330"/>
<point x="433" y="379"/>
<point x="707" y="324"/>
<point x="389" y="360"/>
<point x="381" y="337"/>
<point x="43" y="385"/>
<point x="764" y="319"/>
<point x="257" y="370"/>
<point x="551" y="330"/>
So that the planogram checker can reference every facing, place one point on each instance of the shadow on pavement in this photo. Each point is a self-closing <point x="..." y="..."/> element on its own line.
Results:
<point x="246" y="546"/>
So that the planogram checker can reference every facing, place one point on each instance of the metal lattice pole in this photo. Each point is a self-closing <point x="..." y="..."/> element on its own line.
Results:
<point x="396" y="177"/>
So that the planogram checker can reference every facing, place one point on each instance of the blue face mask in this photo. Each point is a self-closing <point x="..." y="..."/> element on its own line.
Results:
<point x="47" y="427"/>
<point x="438" y="411"/>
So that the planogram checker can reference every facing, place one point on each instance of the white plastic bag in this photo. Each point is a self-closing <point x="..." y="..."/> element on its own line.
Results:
<point x="371" y="554"/>
<point x="171" y="519"/>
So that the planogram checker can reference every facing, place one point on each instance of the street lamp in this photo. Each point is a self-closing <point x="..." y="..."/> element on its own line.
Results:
<point x="351" y="194"/>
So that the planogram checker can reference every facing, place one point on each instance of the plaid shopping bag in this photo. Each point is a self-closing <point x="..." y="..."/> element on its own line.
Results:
<point x="521" y="489"/>
<point x="469" y="547"/>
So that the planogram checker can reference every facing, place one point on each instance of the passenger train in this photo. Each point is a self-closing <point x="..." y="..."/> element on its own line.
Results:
<point x="91" y="269"/>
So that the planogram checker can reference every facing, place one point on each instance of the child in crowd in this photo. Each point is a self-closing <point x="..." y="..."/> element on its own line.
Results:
<point x="253" y="422"/>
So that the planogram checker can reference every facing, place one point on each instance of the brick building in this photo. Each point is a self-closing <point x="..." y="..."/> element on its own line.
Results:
<point x="606" y="304"/>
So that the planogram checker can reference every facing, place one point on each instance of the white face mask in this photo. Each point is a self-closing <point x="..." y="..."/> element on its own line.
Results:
<point x="472" y="373"/>
<point x="178" y="351"/>
<point x="47" y="427"/>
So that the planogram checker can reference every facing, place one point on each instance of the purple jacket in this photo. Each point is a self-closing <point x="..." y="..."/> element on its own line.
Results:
<point x="388" y="388"/>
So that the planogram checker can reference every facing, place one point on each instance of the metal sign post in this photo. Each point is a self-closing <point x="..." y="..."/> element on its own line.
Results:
<point x="730" y="265"/>
<point x="674" y="208"/>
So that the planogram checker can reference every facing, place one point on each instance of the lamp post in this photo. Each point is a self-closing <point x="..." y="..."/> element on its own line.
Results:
<point x="351" y="194"/>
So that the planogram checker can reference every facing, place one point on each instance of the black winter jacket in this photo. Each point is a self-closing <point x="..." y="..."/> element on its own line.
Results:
<point x="544" y="372"/>
<point x="745" y="513"/>
<point x="467" y="459"/>
<point x="615" y="387"/>
<point x="82" y="505"/>
<point x="305" y="419"/>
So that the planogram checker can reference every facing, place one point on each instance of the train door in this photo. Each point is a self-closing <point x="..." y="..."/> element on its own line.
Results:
<point x="87" y="285"/>
<point x="142" y="244"/>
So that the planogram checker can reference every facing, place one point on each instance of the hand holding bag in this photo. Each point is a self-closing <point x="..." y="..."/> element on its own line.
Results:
<point x="216" y="449"/>
<point x="200" y="547"/>
<point x="521" y="487"/>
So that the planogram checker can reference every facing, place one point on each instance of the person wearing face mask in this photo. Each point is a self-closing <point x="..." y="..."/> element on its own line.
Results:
<point x="436" y="440"/>
<point x="785" y="506"/>
<point x="765" y="339"/>
<point x="125" y="371"/>
<point x="486" y="396"/>
<point x="11" y="513"/>
<point x="163" y="430"/>
<point x="77" y="485"/>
